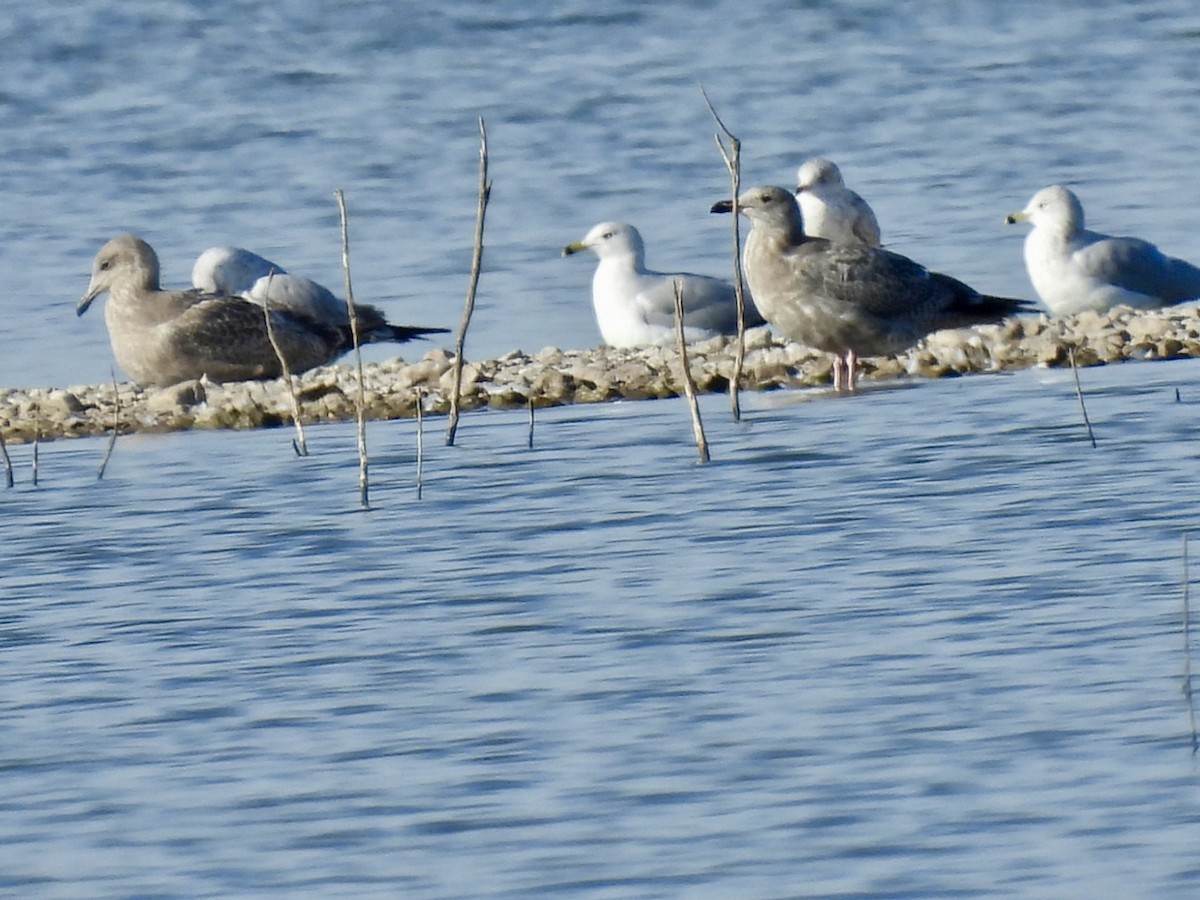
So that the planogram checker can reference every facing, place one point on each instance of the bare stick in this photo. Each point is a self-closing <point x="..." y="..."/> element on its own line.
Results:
<point x="485" y="190"/>
<point x="299" y="445"/>
<point x="8" y="470"/>
<point x="420" y="441"/>
<point x="112" y="440"/>
<point x="37" y="438"/>
<point x="360" y="401"/>
<point x="1187" y="648"/>
<point x="529" y="438"/>
<point x="733" y="162"/>
<point x="689" y="386"/>
<point x="1079" y="394"/>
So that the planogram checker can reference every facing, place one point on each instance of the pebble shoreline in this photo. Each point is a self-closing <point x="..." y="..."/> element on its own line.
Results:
<point x="553" y="377"/>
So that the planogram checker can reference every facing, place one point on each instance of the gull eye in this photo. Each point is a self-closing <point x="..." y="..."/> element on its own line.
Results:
<point x="106" y="265"/>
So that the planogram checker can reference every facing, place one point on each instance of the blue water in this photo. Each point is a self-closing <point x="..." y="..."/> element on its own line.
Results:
<point x="920" y="642"/>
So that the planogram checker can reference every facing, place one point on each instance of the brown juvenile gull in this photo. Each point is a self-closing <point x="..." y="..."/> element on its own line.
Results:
<point x="1073" y="269"/>
<point x="848" y="300"/>
<point x="165" y="337"/>
<point x="635" y="306"/>
<point x="234" y="270"/>
<point x="831" y="210"/>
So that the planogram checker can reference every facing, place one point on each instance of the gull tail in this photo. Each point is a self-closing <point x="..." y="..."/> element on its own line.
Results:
<point x="397" y="333"/>
<point x="374" y="328"/>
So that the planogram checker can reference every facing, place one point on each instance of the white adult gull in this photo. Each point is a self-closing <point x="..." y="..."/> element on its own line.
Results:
<point x="165" y="337"/>
<point x="831" y="210"/>
<point x="635" y="306"/>
<point x="846" y="299"/>
<point x="235" y="270"/>
<point x="1073" y="269"/>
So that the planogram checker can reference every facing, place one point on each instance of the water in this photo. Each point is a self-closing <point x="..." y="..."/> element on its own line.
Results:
<point x="199" y="124"/>
<point x="920" y="642"/>
<point x="942" y="663"/>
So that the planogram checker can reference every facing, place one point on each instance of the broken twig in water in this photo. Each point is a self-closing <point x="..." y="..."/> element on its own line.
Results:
<point x="689" y="386"/>
<point x="1187" y="648"/>
<point x="485" y="190"/>
<point x="733" y="162"/>
<point x="360" y="400"/>
<point x="299" y="445"/>
<point x="1079" y="393"/>
<point x="116" y="425"/>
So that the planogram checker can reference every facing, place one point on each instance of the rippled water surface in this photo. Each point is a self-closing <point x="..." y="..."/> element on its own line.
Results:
<point x="234" y="122"/>
<point x="920" y="642"/>
<point x="866" y="651"/>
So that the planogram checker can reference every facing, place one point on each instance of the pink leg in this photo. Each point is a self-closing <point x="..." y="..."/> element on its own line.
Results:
<point x="852" y="370"/>
<point x="838" y="373"/>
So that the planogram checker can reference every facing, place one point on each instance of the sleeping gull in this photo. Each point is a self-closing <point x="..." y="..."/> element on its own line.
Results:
<point x="831" y="210"/>
<point x="1074" y="269"/>
<point x="848" y="300"/>
<point x="165" y="337"/>
<point x="233" y="270"/>
<point x="636" y="307"/>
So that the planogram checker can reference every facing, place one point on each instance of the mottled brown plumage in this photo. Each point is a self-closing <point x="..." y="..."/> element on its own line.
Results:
<point x="848" y="300"/>
<point x="164" y="337"/>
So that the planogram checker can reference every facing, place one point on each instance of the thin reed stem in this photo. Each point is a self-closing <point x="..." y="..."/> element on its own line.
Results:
<point x="485" y="190"/>
<point x="116" y="425"/>
<point x="8" y="468"/>
<point x="1079" y="393"/>
<point x="299" y="445"/>
<point x="420" y="443"/>
<point x="689" y="386"/>
<point x="1187" y="648"/>
<point x="360" y="400"/>
<point x="733" y="162"/>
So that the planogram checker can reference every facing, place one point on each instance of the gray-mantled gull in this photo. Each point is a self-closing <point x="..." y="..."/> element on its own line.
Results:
<point x="1073" y="269"/>
<point x="636" y="306"/>
<point x="234" y="270"/>
<point x="848" y="300"/>
<point x="165" y="337"/>
<point x="831" y="210"/>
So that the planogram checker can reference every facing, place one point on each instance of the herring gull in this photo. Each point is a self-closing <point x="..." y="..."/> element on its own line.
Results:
<point x="635" y="306"/>
<point x="234" y="270"/>
<point x="831" y="210"/>
<point x="1073" y="269"/>
<point x="165" y="337"/>
<point x="848" y="300"/>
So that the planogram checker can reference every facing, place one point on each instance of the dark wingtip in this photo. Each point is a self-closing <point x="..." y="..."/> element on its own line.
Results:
<point x="722" y="206"/>
<point x="402" y="333"/>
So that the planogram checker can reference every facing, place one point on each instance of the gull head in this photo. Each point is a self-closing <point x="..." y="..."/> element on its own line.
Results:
<point x="818" y="171"/>
<point x="609" y="240"/>
<point x="1054" y="207"/>
<point x="768" y="204"/>
<point x="230" y="270"/>
<point x="127" y="261"/>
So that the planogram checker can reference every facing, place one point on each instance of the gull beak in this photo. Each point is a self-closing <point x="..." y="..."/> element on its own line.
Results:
<point x="86" y="300"/>
<point x="576" y="247"/>
<point x="1014" y="218"/>
<point x="722" y="206"/>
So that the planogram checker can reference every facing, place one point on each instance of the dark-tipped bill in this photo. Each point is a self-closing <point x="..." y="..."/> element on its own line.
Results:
<point x="85" y="301"/>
